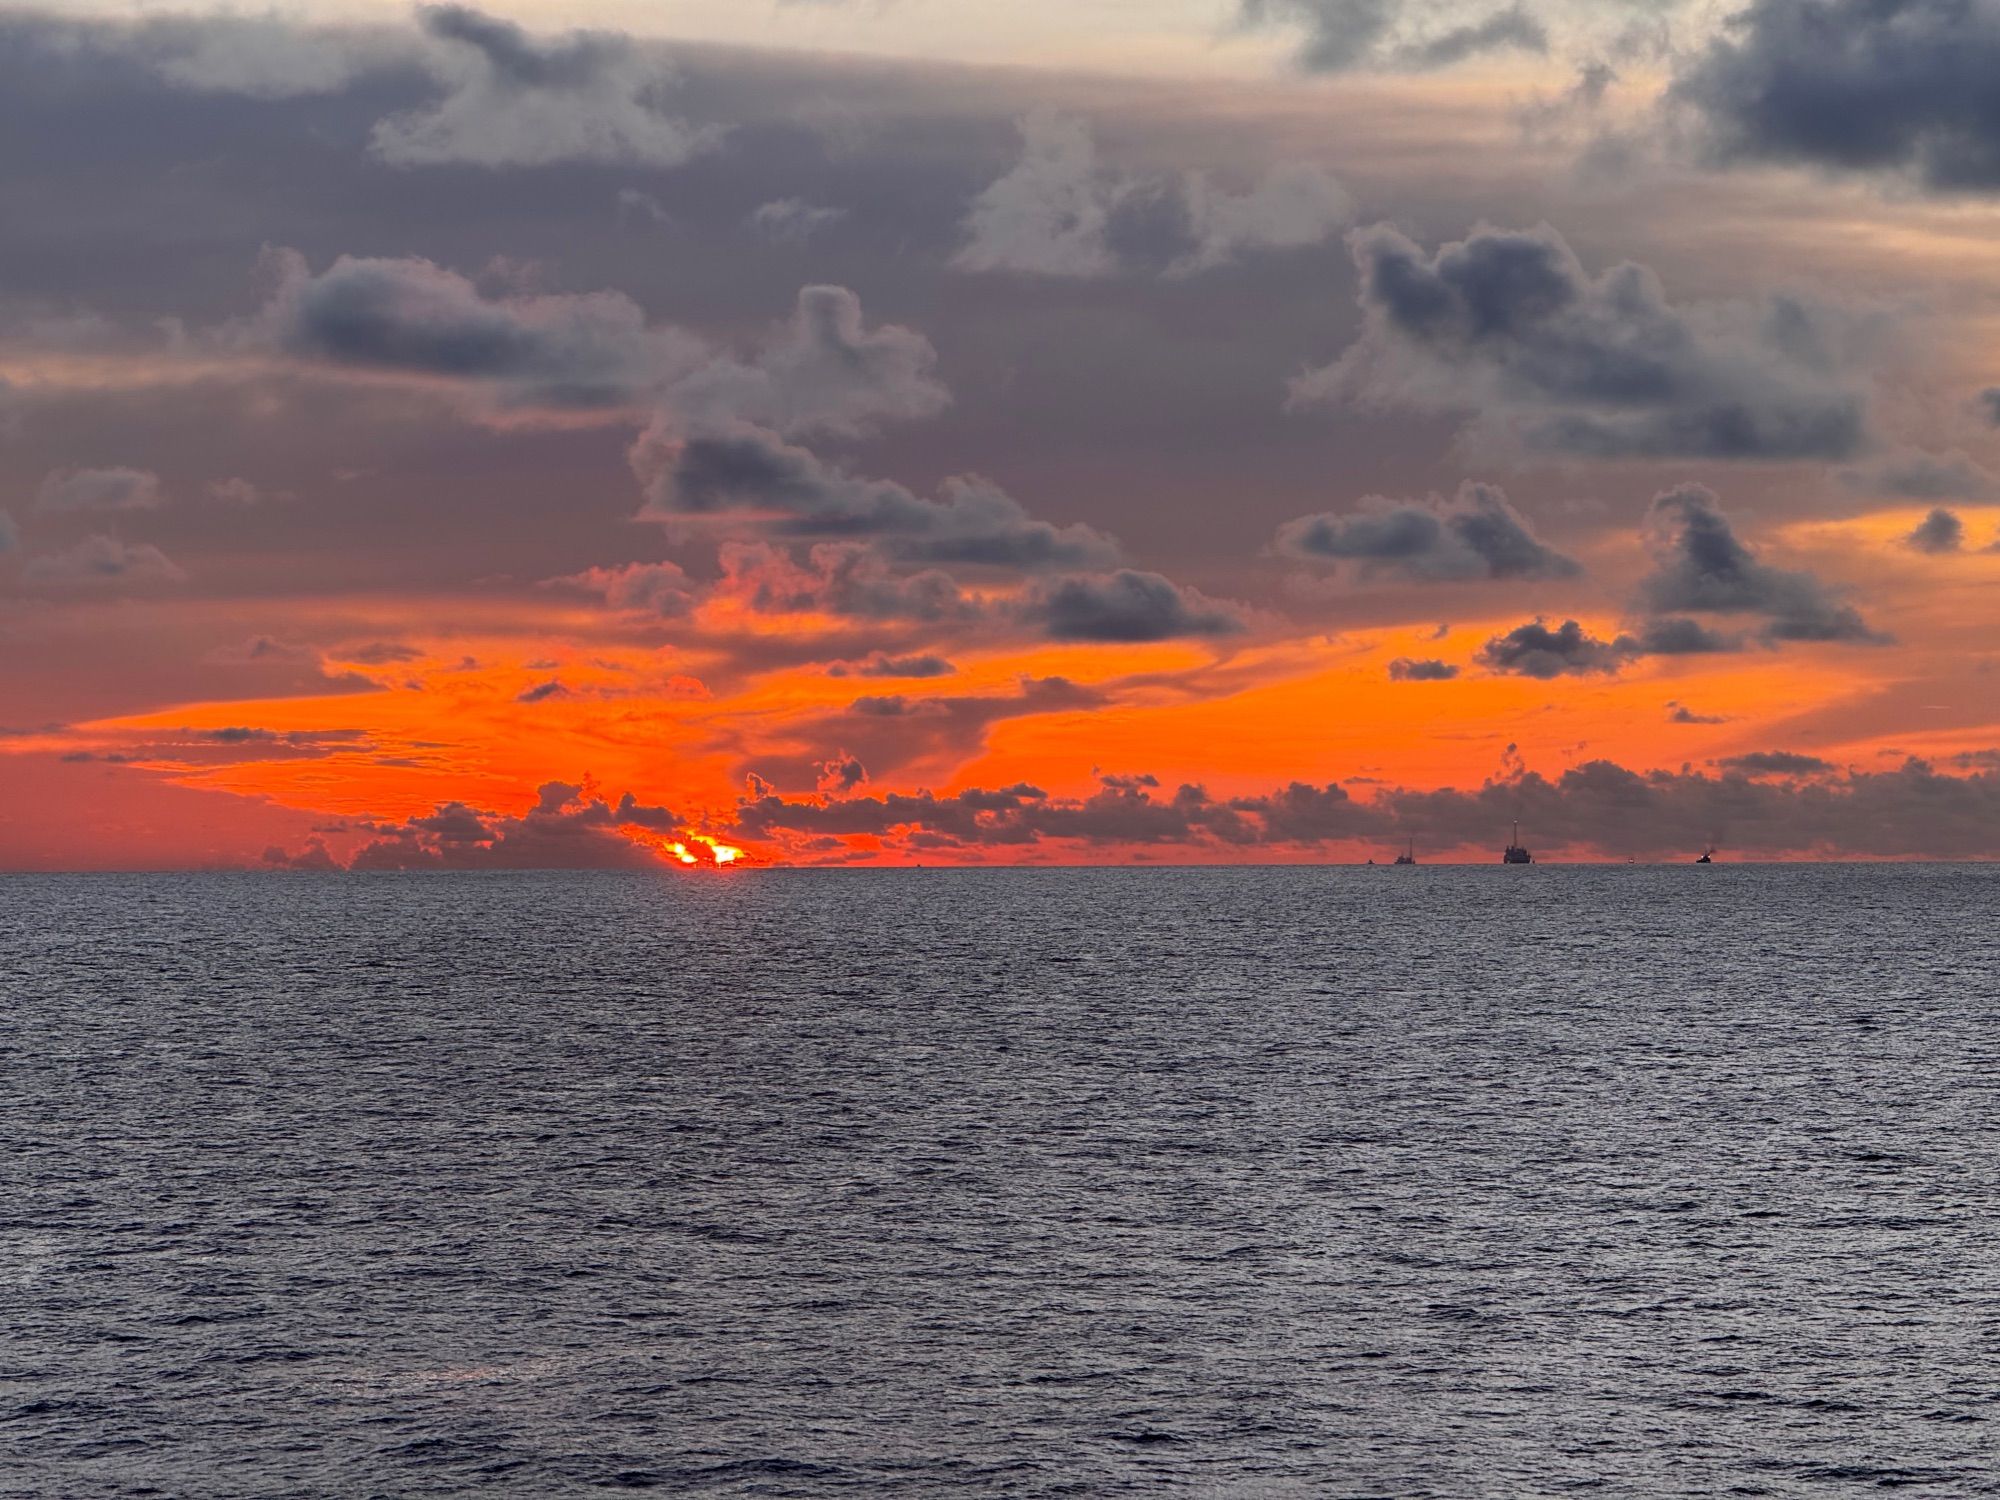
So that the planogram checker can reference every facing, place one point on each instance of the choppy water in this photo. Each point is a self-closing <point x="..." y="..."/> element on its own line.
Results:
<point x="1442" y="1182"/>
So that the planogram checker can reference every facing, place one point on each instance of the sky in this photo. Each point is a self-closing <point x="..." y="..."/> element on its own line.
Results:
<point x="620" y="435"/>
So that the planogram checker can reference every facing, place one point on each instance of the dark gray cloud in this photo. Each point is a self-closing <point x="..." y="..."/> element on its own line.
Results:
<point x="1776" y="763"/>
<point x="516" y="101"/>
<point x="1703" y="567"/>
<point x="1476" y="534"/>
<point x="111" y="489"/>
<point x="750" y="472"/>
<point x="880" y="665"/>
<point x="1939" y="532"/>
<point x="824" y="369"/>
<point x="1877" y="86"/>
<point x="1342" y="35"/>
<point x="1126" y="606"/>
<point x="1508" y="324"/>
<point x="10" y="536"/>
<point x="1534" y="650"/>
<point x="1677" y="635"/>
<point x="848" y="580"/>
<point x="1407" y="669"/>
<point x="1598" y="806"/>
<point x="1989" y="404"/>
<point x="566" y="829"/>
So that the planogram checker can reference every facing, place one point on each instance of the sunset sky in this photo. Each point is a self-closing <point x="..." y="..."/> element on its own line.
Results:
<point x="613" y="433"/>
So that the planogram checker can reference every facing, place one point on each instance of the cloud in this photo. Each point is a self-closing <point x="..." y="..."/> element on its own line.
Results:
<point x="1407" y="669"/>
<point x="567" y="828"/>
<point x="1897" y="87"/>
<point x="1534" y="650"/>
<point x="1508" y="324"/>
<point x="1057" y="212"/>
<point x="541" y="692"/>
<point x="1345" y="35"/>
<point x="1682" y="714"/>
<point x="848" y="580"/>
<point x="751" y="473"/>
<point x="1050" y="215"/>
<point x="1776" y="763"/>
<point x="568" y="352"/>
<point x="1295" y="204"/>
<point x="1476" y="534"/>
<point x="1676" y="635"/>
<point x="1988" y="403"/>
<point x="1598" y="807"/>
<point x="823" y="369"/>
<point x="792" y="221"/>
<point x="514" y="101"/>
<point x="260" y="57"/>
<point x="1126" y="606"/>
<point x="1700" y="565"/>
<point x="10" y="536"/>
<point x="102" y="560"/>
<point x="1938" y="533"/>
<point x="880" y="665"/>
<point x="113" y="489"/>
<point x="1922" y="476"/>
<point x="661" y="590"/>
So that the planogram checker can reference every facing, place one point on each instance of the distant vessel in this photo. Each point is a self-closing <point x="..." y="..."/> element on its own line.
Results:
<point x="1707" y="857"/>
<point x="1408" y="856"/>
<point x="1516" y="853"/>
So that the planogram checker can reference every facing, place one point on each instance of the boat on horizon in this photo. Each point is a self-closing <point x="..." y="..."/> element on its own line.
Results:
<point x="1517" y="853"/>
<point x="1707" y="856"/>
<point x="1409" y="855"/>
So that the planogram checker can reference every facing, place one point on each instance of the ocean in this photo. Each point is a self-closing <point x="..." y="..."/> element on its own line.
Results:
<point x="1440" y="1181"/>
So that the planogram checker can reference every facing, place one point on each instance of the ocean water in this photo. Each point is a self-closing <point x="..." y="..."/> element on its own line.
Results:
<point x="1316" y="1182"/>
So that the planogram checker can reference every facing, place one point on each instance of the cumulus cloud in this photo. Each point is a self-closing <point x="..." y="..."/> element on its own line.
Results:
<point x="515" y="101"/>
<point x="1050" y="215"/>
<point x="1126" y="606"/>
<point x="849" y="580"/>
<point x="1702" y="566"/>
<point x="112" y="489"/>
<point x="660" y="590"/>
<point x="1599" y="807"/>
<point x="1407" y="669"/>
<point x="1938" y="533"/>
<point x="567" y="828"/>
<point x="1534" y="650"/>
<point x="568" y="352"/>
<point x="1476" y="534"/>
<point x="1508" y="324"/>
<point x="751" y="473"/>
<point x="823" y="369"/>
<point x="1900" y="87"/>
<point x="1058" y="212"/>
<point x="102" y="560"/>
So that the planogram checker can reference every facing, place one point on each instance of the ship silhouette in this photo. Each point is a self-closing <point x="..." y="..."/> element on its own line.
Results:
<point x="1408" y="856"/>
<point x="1517" y="853"/>
<point x="1707" y="857"/>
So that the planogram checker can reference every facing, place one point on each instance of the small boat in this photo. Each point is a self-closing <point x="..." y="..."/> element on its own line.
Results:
<point x="1409" y="855"/>
<point x="1707" y="857"/>
<point x="1517" y="853"/>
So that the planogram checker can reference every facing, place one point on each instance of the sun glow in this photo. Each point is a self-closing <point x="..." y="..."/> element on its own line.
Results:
<point x="717" y="852"/>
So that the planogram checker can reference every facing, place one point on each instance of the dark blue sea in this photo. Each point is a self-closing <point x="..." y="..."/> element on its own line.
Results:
<point x="1273" y="1182"/>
